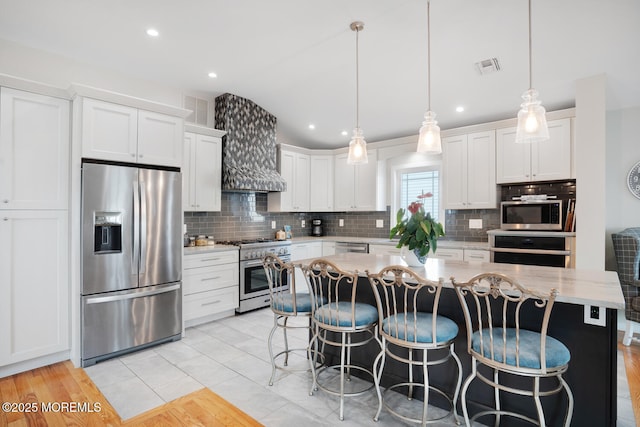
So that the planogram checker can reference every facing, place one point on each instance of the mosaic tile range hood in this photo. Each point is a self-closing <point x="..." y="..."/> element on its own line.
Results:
<point x="249" y="155"/>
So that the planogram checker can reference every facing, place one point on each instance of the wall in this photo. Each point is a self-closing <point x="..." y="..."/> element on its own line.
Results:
<point x="622" y="152"/>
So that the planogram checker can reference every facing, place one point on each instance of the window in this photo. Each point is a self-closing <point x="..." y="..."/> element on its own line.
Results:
<point x="414" y="182"/>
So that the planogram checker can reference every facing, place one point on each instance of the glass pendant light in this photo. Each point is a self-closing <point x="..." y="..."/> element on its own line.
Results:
<point x="532" y="121"/>
<point x="429" y="139"/>
<point x="357" y="145"/>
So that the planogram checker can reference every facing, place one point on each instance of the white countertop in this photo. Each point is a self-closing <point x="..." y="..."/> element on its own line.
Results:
<point x="193" y="250"/>
<point x="582" y="287"/>
<point x="453" y="244"/>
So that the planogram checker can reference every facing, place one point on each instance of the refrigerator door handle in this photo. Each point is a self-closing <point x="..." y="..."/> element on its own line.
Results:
<point x="143" y="228"/>
<point x="135" y="253"/>
<point x="131" y="295"/>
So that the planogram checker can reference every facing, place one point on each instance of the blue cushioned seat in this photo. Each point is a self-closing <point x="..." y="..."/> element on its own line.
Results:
<point x="557" y="353"/>
<point x="284" y="303"/>
<point x="339" y="314"/>
<point x="446" y="329"/>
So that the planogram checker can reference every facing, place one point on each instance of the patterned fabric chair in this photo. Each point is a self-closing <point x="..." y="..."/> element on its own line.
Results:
<point x="626" y="246"/>
<point x="339" y="321"/>
<point x="409" y="332"/>
<point x="493" y="306"/>
<point x="285" y="304"/>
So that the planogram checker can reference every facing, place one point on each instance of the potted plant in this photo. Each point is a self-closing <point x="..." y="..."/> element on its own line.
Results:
<point x="418" y="232"/>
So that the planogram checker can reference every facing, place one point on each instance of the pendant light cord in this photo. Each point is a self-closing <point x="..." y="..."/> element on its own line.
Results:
<point x="428" y="55"/>
<point x="357" y="81"/>
<point x="530" y="61"/>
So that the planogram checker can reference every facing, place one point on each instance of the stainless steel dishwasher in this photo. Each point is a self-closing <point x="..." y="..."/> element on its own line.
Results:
<point x="357" y="247"/>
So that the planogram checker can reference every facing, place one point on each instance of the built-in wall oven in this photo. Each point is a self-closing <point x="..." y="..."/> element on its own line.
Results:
<point x="254" y="287"/>
<point x="553" y="249"/>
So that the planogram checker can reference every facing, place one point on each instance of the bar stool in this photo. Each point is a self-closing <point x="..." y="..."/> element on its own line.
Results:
<point x="493" y="306"/>
<point x="285" y="304"/>
<point x="409" y="323"/>
<point x="336" y="312"/>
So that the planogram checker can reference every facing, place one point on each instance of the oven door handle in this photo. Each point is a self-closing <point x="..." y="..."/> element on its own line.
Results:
<point x="531" y="251"/>
<point x="254" y="263"/>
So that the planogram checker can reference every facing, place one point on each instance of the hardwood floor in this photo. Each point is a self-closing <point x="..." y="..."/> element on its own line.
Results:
<point x="38" y="394"/>
<point x="632" y="366"/>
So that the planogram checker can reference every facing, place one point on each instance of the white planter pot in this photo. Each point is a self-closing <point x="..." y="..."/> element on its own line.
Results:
<point x="412" y="257"/>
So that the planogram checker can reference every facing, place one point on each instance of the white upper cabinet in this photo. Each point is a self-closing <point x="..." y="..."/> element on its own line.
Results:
<point x="126" y="134"/>
<point x="321" y="183"/>
<point x="356" y="187"/>
<point x="201" y="172"/>
<point x="469" y="174"/>
<point x="34" y="151"/>
<point x="295" y="170"/>
<point x="542" y="161"/>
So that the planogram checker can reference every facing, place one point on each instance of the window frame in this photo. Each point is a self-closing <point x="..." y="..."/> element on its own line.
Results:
<point x="397" y="181"/>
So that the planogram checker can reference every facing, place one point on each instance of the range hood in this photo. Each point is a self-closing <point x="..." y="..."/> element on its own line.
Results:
<point x="249" y="155"/>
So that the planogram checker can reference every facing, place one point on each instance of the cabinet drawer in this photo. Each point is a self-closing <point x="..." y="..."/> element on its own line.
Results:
<point x="476" y="255"/>
<point x="211" y="302"/>
<point x="206" y="279"/>
<point x="209" y="259"/>
<point x="453" y="254"/>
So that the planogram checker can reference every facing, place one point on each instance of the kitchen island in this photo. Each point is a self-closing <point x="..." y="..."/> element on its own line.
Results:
<point x="592" y="369"/>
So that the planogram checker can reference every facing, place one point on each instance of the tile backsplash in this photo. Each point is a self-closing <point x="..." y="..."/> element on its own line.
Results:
<point x="245" y="216"/>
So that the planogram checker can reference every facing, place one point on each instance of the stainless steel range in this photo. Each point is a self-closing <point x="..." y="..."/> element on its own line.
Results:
<point x="254" y="287"/>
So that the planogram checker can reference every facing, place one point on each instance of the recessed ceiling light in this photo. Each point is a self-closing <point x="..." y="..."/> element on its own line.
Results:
<point x="312" y="126"/>
<point x="344" y="133"/>
<point x="460" y="109"/>
<point x="212" y="75"/>
<point x="152" y="32"/>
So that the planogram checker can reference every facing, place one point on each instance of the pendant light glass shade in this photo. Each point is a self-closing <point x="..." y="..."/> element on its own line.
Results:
<point x="532" y="120"/>
<point x="357" y="145"/>
<point x="357" y="148"/>
<point x="429" y="139"/>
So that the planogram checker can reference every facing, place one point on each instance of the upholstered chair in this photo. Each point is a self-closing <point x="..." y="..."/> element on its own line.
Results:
<point x="626" y="246"/>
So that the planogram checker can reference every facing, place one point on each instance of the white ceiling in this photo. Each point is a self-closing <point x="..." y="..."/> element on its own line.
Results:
<point x="296" y="58"/>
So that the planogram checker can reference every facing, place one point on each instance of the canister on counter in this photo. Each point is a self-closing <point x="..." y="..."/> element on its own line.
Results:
<point x="201" y="240"/>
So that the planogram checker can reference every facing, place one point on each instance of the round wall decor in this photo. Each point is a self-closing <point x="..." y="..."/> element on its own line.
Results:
<point x="633" y="180"/>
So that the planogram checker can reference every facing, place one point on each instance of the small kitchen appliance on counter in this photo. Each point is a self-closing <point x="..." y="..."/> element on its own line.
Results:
<point x="316" y="227"/>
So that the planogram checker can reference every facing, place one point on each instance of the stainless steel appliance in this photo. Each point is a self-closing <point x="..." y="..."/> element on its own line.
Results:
<point x="131" y="259"/>
<point x="550" y="249"/>
<point x="532" y="214"/>
<point x="316" y="227"/>
<point x="254" y="287"/>
<point x="357" y="247"/>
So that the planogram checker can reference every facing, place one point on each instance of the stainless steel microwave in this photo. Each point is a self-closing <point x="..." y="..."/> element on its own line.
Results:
<point x="531" y="215"/>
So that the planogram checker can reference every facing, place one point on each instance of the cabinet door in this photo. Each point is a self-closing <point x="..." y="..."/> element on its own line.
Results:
<point x="34" y="151"/>
<point x="34" y="284"/>
<point x="366" y="183"/>
<point x="109" y="131"/>
<point x="551" y="160"/>
<point x="301" y="182"/>
<point x="208" y="173"/>
<point x="188" y="172"/>
<point x="477" y="255"/>
<point x="482" y="190"/>
<point x="321" y="184"/>
<point x="446" y="253"/>
<point x="513" y="160"/>
<point x="344" y="184"/>
<point x="454" y="165"/>
<point x="159" y="139"/>
<point x="287" y="170"/>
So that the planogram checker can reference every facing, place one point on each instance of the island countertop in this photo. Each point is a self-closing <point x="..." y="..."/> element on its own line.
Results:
<point x="575" y="286"/>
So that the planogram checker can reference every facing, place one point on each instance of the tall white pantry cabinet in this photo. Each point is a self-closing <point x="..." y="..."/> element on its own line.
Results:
<point x="34" y="222"/>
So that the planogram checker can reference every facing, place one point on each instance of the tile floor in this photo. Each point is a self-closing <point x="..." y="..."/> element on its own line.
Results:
<point x="230" y="357"/>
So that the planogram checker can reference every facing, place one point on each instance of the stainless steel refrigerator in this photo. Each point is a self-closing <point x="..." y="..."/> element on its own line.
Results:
<point x="131" y="259"/>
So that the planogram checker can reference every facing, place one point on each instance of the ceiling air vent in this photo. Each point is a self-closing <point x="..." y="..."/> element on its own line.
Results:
<point x="488" y="66"/>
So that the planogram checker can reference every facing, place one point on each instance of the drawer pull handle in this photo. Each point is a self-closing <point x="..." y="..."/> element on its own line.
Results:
<point x="211" y="303"/>
<point x="204" y="279"/>
<point x="209" y="259"/>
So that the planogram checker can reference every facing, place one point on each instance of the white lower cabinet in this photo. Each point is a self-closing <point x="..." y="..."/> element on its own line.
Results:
<point x="34" y="286"/>
<point x="210" y="285"/>
<point x="448" y="253"/>
<point x="328" y="248"/>
<point x="479" y="255"/>
<point x="303" y="251"/>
